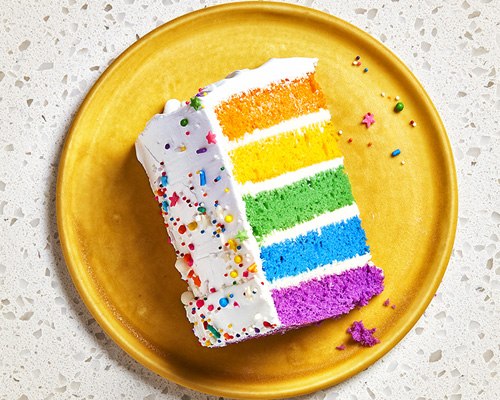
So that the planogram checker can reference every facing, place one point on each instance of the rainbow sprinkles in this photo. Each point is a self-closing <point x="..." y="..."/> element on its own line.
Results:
<point x="251" y="185"/>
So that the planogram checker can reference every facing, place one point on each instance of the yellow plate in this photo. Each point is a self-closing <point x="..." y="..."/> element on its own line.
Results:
<point x="113" y="237"/>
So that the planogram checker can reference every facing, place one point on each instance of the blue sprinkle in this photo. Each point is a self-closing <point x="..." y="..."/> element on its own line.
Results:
<point x="202" y="231"/>
<point x="203" y="178"/>
<point x="214" y="221"/>
<point x="164" y="205"/>
<point x="231" y="295"/>
<point x="223" y="302"/>
<point x="365" y="70"/>
<point x="396" y="152"/>
<point x="217" y="179"/>
<point x="164" y="180"/>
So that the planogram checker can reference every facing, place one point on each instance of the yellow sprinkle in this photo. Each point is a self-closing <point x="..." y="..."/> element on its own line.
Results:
<point x="252" y="268"/>
<point x="207" y="343"/>
<point x="226" y="190"/>
<point x="192" y="226"/>
<point x="233" y="273"/>
<point x="228" y="218"/>
<point x="232" y="244"/>
<point x="230" y="326"/>
<point x="238" y="259"/>
<point x="183" y="148"/>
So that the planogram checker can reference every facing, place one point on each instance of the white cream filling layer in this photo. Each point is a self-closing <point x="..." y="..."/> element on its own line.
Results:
<point x="317" y="223"/>
<point x="289" y="178"/>
<point x="291" y="124"/>
<point x="335" y="268"/>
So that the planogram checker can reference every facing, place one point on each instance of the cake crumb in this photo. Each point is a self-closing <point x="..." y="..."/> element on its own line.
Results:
<point x="362" y="335"/>
<point x="341" y="347"/>
<point x="386" y="303"/>
<point x="393" y="306"/>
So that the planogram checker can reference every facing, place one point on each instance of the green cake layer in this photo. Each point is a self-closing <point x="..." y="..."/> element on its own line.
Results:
<point x="287" y="206"/>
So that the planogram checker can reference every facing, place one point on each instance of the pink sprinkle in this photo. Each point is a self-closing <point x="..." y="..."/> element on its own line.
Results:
<point x="236" y="304"/>
<point x="368" y="120"/>
<point x="210" y="307"/>
<point x="199" y="303"/>
<point x="341" y="347"/>
<point x="191" y="246"/>
<point x="174" y="199"/>
<point x="386" y="303"/>
<point x="211" y="138"/>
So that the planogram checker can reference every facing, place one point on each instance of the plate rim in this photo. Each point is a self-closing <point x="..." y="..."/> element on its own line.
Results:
<point x="114" y="331"/>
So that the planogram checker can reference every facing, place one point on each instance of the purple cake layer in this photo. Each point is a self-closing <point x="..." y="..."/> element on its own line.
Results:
<point x="327" y="297"/>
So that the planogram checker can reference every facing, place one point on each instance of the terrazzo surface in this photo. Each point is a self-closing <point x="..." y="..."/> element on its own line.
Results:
<point x="51" y="52"/>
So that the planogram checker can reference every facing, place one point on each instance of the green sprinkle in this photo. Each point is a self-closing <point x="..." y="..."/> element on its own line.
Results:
<point x="184" y="122"/>
<point x="202" y="209"/>
<point x="399" y="107"/>
<point x="195" y="103"/>
<point x="241" y="236"/>
<point x="213" y="330"/>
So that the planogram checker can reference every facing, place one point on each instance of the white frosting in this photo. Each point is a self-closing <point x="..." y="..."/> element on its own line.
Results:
<point x="329" y="269"/>
<point x="314" y="224"/>
<point x="290" y="177"/>
<point x="284" y="126"/>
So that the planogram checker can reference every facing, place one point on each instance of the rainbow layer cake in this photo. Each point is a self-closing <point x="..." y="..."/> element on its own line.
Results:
<point x="252" y="188"/>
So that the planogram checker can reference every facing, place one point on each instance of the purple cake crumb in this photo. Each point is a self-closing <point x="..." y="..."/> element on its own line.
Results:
<point x="386" y="303"/>
<point x="393" y="306"/>
<point x="341" y="347"/>
<point x="362" y="335"/>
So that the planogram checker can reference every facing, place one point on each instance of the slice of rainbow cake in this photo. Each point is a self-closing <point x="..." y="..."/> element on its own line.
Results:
<point x="254" y="195"/>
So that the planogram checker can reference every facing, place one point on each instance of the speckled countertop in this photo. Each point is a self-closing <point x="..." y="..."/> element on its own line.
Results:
<point x="53" y="51"/>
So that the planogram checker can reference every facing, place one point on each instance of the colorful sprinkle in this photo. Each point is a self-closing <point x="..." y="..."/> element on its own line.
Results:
<point x="182" y="229"/>
<point x="201" y="151"/>
<point x="164" y="180"/>
<point x="395" y="153"/>
<point x="365" y="70"/>
<point x="195" y="103"/>
<point x="233" y="274"/>
<point x="203" y="178"/>
<point x="368" y="120"/>
<point x="184" y="122"/>
<point x="200" y="303"/>
<point x="252" y="268"/>
<point x="357" y="58"/>
<point x="223" y="302"/>
<point x="164" y="206"/>
<point x="413" y="123"/>
<point x="167" y="146"/>
<point x="210" y="138"/>
<point x="238" y="259"/>
<point x="217" y="179"/>
<point x="202" y="209"/>
<point x="399" y="107"/>
<point x="350" y="140"/>
<point x="340" y="132"/>
<point x="241" y="236"/>
<point x="174" y="199"/>
<point x="192" y="225"/>
<point x="228" y="218"/>
<point x="213" y="330"/>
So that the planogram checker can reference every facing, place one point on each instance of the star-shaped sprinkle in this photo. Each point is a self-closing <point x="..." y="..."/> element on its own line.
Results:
<point x="174" y="199"/>
<point x="242" y="236"/>
<point x="368" y="120"/>
<point x="195" y="103"/>
<point x="211" y="138"/>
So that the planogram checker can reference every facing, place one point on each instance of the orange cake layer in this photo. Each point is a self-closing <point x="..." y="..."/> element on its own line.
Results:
<point x="286" y="152"/>
<point x="263" y="108"/>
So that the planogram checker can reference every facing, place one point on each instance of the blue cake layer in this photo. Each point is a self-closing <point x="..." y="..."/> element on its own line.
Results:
<point x="332" y="243"/>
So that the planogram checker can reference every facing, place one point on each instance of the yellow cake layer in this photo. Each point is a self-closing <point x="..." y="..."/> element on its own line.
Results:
<point x="263" y="108"/>
<point x="286" y="152"/>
